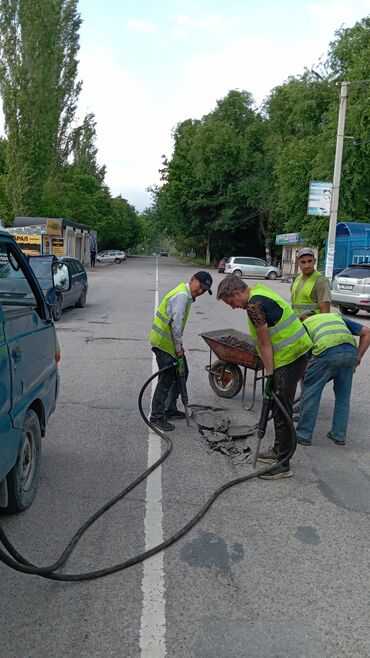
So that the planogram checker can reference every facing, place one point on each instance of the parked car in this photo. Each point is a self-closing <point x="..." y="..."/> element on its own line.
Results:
<point x="222" y="264"/>
<point x="350" y="289"/>
<point x="111" y="256"/>
<point x="248" y="266"/>
<point x="75" y="296"/>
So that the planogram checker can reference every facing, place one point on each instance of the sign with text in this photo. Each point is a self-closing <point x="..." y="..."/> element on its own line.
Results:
<point x="30" y="244"/>
<point x="319" y="198"/>
<point x="54" y="226"/>
<point x="288" y="238"/>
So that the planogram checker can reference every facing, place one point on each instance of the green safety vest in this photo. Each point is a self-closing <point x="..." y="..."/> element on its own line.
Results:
<point x="288" y="337"/>
<point x="301" y="294"/>
<point x="328" y="330"/>
<point x="160" y="335"/>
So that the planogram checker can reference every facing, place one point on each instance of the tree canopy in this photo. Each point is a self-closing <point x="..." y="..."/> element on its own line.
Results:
<point x="48" y="164"/>
<point x="240" y="174"/>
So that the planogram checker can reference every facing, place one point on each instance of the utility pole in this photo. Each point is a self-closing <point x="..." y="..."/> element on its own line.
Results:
<point x="336" y="181"/>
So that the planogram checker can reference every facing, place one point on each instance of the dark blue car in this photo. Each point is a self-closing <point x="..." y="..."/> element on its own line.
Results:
<point x="76" y="296"/>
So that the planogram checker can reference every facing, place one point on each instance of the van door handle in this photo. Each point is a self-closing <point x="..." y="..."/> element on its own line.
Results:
<point x="16" y="353"/>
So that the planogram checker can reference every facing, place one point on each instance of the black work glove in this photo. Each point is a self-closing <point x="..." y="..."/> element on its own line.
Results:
<point x="269" y="386"/>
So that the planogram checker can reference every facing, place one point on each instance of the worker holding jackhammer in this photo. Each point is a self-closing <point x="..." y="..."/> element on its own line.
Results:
<point x="283" y="344"/>
<point x="167" y="344"/>
<point x="310" y="290"/>
<point x="334" y="357"/>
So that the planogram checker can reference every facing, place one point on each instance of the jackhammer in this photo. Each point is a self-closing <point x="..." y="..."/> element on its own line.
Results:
<point x="181" y="378"/>
<point x="262" y="424"/>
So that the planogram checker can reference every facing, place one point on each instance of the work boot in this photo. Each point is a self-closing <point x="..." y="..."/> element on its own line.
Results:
<point x="303" y="442"/>
<point x="336" y="441"/>
<point x="268" y="457"/>
<point x="162" y="424"/>
<point x="176" y="414"/>
<point x="277" y="473"/>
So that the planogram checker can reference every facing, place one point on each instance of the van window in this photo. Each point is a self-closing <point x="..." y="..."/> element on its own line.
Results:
<point x="14" y="287"/>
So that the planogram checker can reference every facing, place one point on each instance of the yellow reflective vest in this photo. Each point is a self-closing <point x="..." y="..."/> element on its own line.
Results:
<point x="160" y="335"/>
<point x="328" y="330"/>
<point x="301" y="294"/>
<point x="288" y="337"/>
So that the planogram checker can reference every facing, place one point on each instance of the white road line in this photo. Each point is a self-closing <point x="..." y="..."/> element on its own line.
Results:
<point x="153" y="617"/>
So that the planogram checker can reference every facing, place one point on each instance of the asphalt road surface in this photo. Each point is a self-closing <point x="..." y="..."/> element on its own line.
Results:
<point x="275" y="569"/>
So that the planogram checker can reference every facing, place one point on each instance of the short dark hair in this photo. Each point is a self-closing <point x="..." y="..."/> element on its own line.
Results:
<point x="229" y="284"/>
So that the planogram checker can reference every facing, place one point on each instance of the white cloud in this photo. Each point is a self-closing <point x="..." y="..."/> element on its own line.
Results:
<point x="210" y="22"/>
<point x="133" y="129"/>
<point x="178" y="32"/>
<point x="144" y="26"/>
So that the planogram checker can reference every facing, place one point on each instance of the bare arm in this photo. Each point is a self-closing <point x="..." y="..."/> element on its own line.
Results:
<point x="265" y="347"/>
<point x="364" y="343"/>
<point x="324" y="307"/>
<point x="322" y="294"/>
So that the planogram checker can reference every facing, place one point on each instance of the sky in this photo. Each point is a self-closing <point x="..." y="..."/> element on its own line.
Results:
<point x="147" y="65"/>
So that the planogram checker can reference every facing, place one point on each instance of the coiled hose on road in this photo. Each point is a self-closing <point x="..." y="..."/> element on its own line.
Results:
<point x="15" y="560"/>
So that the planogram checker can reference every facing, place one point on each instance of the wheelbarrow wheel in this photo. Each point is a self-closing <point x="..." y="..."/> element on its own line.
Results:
<point x="226" y="379"/>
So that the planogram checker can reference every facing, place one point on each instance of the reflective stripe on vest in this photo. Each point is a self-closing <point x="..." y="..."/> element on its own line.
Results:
<point x="160" y="335"/>
<point x="289" y="338"/>
<point x="328" y="330"/>
<point x="301" y="294"/>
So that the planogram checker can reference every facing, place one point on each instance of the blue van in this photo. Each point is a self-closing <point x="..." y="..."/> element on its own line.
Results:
<point x="29" y="381"/>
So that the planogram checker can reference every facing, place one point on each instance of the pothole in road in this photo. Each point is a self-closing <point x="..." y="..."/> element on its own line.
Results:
<point x="213" y="425"/>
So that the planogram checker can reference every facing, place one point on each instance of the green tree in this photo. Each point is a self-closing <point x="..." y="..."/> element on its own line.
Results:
<point x="84" y="148"/>
<point x="38" y="67"/>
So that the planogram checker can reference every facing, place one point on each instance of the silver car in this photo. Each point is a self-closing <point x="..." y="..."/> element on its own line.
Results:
<point x="248" y="266"/>
<point x="350" y="289"/>
<point x="111" y="256"/>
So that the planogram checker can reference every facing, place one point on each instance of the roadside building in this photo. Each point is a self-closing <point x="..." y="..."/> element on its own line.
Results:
<point x="352" y="244"/>
<point x="291" y="244"/>
<point x="61" y="237"/>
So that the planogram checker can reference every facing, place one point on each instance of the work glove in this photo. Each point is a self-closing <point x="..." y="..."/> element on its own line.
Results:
<point x="181" y="364"/>
<point x="269" y="386"/>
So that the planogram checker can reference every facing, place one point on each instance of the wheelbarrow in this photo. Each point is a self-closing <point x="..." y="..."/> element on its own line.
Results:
<point x="225" y="375"/>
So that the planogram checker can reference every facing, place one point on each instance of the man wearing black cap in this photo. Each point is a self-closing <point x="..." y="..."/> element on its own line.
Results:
<point x="166" y="341"/>
<point x="310" y="290"/>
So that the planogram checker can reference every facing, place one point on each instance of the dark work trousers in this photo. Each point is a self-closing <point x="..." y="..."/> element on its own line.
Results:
<point x="167" y="390"/>
<point x="286" y="379"/>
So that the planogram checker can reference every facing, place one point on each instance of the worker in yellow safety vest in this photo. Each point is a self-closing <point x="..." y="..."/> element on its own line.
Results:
<point x="166" y="341"/>
<point x="283" y="344"/>
<point x="334" y="357"/>
<point x="310" y="290"/>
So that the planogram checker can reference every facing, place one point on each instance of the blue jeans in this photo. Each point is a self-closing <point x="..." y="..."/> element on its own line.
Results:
<point x="167" y="390"/>
<point x="340" y="368"/>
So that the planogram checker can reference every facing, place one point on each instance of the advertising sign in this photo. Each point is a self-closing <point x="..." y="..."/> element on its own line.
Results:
<point x="54" y="226"/>
<point x="29" y="243"/>
<point x="288" y="238"/>
<point x="319" y="198"/>
<point x="57" y="246"/>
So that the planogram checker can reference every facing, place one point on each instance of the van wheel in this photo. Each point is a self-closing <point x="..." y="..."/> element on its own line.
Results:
<point x="57" y="309"/>
<point x="23" y="478"/>
<point x="82" y="301"/>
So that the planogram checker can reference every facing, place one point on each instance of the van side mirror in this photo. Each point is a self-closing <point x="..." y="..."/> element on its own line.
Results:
<point x="61" y="277"/>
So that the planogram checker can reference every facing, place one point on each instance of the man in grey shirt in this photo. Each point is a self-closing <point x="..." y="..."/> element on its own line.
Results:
<point x="166" y="341"/>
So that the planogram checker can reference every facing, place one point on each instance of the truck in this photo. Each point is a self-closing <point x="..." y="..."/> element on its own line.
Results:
<point x="29" y="379"/>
